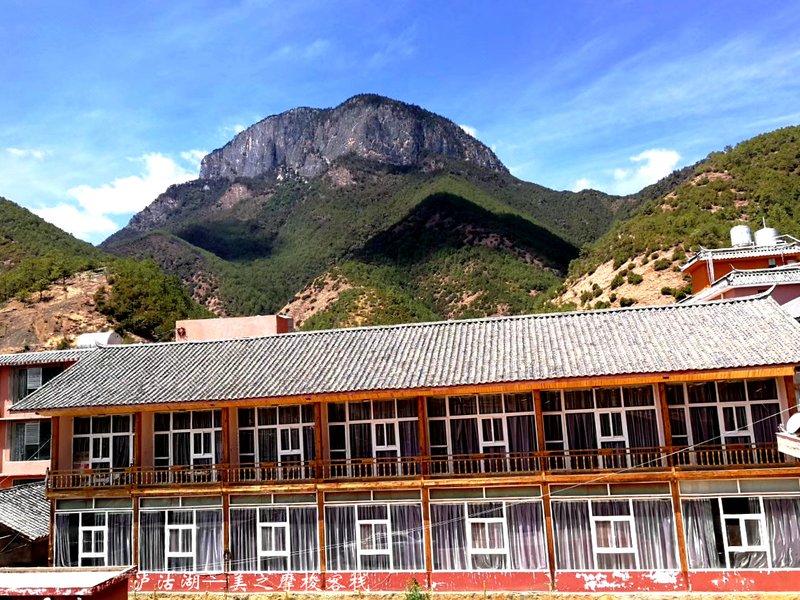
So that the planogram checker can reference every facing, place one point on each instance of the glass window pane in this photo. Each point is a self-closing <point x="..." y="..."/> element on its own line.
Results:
<point x="674" y="394"/>
<point x="288" y="415"/>
<point x="383" y="409"/>
<point x="463" y="405"/>
<point x="762" y="389"/>
<point x="247" y="417"/>
<point x="753" y="530"/>
<point x="360" y="411"/>
<point x="101" y="424"/>
<point x="551" y="401"/>
<point x="608" y="397"/>
<point x="578" y="399"/>
<point x="436" y="407"/>
<point x="731" y="391"/>
<point x="490" y="404"/>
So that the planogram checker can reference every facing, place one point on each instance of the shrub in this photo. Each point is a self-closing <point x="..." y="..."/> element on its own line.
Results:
<point x="634" y="278"/>
<point x="623" y="302"/>
<point x="415" y="592"/>
<point x="617" y="281"/>
<point x="661" y="264"/>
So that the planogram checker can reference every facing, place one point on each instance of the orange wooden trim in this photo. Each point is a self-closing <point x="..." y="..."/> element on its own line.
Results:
<point x="226" y="436"/>
<point x="138" y="437"/>
<point x="226" y="532"/>
<point x="791" y="397"/>
<point x="537" y="413"/>
<point x="135" y="548"/>
<point x="427" y="535"/>
<point x="424" y="442"/>
<point x="321" y="532"/>
<point x="679" y="531"/>
<point x="55" y="437"/>
<point x="51" y="538"/>
<point x="510" y="387"/>
<point x="666" y="423"/>
<point x="548" y="527"/>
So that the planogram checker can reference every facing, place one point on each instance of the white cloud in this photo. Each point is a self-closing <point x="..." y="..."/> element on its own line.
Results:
<point x="470" y="130"/>
<point x="194" y="157"/>
<point x="76" y="221"/>
<point x="132" y="193"/>
<point x="27" y="153"/>
<point x="582" y="184"/>
<point x="93" y="217"/>
<point x="652" y="164"/>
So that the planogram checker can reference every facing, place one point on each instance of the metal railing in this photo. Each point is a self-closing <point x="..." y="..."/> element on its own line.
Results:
<point x="752" y="455"/>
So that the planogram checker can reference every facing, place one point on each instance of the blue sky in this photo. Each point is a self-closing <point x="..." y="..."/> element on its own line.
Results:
<point x="104" y="104"/>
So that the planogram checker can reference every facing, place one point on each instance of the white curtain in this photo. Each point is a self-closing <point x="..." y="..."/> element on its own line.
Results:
<point x="244" y="553"/>
<point x="448" y="537"/>
<point x="208" y="553"/>
<point x="655" y="533"/>
<point x="573" y="537"/>
<point x="783" y="523"/>
<point x="340" y="538"/>
<point x="65" y="553"/>
<point x="526" y="536"/>
<point x="303" y="539"/>
<point x="120" y="547"/>
<point x="407" y="550"/>
<point x="703" y="549"/>
<point x="151" y="541"/>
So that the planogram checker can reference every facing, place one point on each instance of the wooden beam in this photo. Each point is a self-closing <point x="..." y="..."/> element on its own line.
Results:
<point x="422" y="433"/>
<point x="488" y="388"/>
<point x="226" y="532"/>
<point x="548" y="528"/>
<point x="138" y="439"/>
<point x="791" y="398"/>
<point x="537" y="413"/>
<point x="135" y="544"/>
<point x="427" y="535"/>
<point x="676" y="506"/>
<point x="51" y="537"/>
<point x="666" y="423"/>
<point x="55" y="439"/>
<point x="321" y="533"/>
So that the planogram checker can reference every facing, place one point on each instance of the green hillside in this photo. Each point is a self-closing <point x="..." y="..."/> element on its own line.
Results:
<point x="35" y="254"/>
<point x="755" y="180"/>
<point x="254" y="256"/>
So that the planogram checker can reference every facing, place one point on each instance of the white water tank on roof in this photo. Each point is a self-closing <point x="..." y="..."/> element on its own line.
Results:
<point x="100" y="338"/>
<point x="768" y="236"/>
<point x="741" y="236"/>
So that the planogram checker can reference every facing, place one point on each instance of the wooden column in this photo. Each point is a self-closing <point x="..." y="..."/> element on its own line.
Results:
<point x="138" y="435"/>
<point x="548" y="530"/>
<point x="319" y="442"/>
<point x="422" y="433"/>
<point x="55" y="427"/>
<point x="537" y="415"/>
<point x="225" y="422"/>
<point x="676" y="506"/>
<point x="426" y="535"/>
<point x="135" y="544"/>
<point x="666" y="423"/>
<point x="321" y="533"/>
<point x="791" y="401"/>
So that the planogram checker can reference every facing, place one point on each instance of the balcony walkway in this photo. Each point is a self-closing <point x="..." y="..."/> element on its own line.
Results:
<point x="431" y="467"/>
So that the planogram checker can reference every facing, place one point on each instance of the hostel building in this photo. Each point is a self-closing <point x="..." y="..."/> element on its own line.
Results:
<point x="605" y="451"/>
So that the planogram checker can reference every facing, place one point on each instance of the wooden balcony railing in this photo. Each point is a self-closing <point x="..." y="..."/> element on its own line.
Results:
<point x="410" y="467"/>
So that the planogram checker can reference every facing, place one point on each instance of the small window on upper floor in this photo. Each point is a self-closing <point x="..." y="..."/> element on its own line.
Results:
<point x="30" y="440"/>
<point x="772" y="262"/>
<point x="30" y="379"/>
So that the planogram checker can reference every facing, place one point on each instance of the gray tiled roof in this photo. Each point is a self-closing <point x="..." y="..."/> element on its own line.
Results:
<point x="715" y="335"/>
<point x="25" y="509"/>
<point x="44" y="357"/>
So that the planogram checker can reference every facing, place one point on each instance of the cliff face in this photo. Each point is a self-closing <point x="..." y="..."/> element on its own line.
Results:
<point x="304" y="141"/>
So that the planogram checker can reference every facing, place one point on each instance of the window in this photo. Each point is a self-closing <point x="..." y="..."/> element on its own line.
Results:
<point x="617" y="534"/>
<point x="742" y="532"/>
<point x="374" y="537"/>
<point x="278" y="441"/>
<point x="28" y="379"/>
<point x="499" y="426"/>
<point x="102" y="442"/>
<point x="181" y="539"/>
<point x="93" y="538"/>
<point x="190" y="439"/>
<point x="621" y="422"/>
<point x="478" y="536"/>
<point x="30" y="440"/>
<point x="727" y="422"/>
<point x="370" y="439"/>
<point x="274" y="538"/>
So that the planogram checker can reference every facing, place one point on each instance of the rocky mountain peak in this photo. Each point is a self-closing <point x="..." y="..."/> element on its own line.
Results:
<point x="305" y="141"/>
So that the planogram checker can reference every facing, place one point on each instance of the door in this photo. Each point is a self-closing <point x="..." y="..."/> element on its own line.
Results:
<point x="290" y="452"/>
<point x="493" y="443"/>
<point x="611" y="436"/>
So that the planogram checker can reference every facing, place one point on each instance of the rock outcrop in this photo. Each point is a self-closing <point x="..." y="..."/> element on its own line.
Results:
<point x="305" y="141"/>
